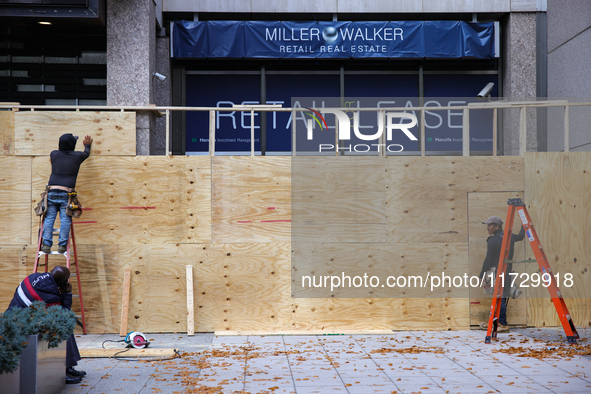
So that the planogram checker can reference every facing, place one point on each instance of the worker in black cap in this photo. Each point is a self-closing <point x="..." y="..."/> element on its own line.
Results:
<point x="494" y="243"/>
<point x="53" y="289"/>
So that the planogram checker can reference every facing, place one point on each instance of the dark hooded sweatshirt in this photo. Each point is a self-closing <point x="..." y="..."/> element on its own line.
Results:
<point x="65" y="162"/>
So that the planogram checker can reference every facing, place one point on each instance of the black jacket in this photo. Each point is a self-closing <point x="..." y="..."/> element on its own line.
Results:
<point x="40" y="287"/>
<point x="494" y="244"/>
<point x="65" y="162"/>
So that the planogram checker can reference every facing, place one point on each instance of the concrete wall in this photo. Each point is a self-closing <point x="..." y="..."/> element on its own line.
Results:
<point x="569" y="67"/>
<point x="350" y="6"/>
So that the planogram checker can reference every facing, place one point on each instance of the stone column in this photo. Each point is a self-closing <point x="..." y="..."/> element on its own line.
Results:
<point x="163" y="91"/>
<point x="519" y="82"/>
<point x="131" y="50"/>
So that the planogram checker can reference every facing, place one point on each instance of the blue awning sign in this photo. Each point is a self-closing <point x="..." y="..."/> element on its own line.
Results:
<point x="339" y="39"/>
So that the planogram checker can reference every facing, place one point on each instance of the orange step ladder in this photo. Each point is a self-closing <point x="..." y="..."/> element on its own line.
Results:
<point x="517" y="205"/>
<point x="67" y="254"/>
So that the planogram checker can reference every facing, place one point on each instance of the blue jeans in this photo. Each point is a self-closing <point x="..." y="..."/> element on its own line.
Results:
<point x="503" y="312"/>
<point x="57" y="200"/>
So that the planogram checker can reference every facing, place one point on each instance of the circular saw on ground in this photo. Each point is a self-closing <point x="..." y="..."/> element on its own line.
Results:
<point x="136" y="340"/>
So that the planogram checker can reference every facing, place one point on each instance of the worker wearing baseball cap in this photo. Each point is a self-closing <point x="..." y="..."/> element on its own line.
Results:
<point x="494" y="227"/>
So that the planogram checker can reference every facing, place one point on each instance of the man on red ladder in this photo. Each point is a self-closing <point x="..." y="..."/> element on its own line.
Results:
<point x="65" y="164"/>
<point x="53" y="289"/>
<point x="494" y="243"/>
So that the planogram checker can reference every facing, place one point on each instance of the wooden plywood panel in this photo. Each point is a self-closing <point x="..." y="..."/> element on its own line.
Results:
<point x="6" y="133"/>
<point x="427" y="197"/>
<point x="15" y="200"/>
<point x="236" y="286"/>
<point x="338" y="199"/>
<point x="251" y="199"/>
<point x="379" y="314"/>
<point x="98" y="266"/>
<point x="37" y="133"/>
<point x="380" y="270"/>
<point x="557" y="196"/>
<point x="13" y="269"/>
<point x="247" y="287"/>
<point x="144" y="200"/>
<point x="482" y="205"/>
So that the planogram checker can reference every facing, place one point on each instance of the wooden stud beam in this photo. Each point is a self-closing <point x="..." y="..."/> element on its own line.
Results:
<point x="125" y="302"/>
<point x="190" y="306"/>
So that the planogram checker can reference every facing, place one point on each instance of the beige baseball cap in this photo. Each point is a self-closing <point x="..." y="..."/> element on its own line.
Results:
<point x="493" y="220"/>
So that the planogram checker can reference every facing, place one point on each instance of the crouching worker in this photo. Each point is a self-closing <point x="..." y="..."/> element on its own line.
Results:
<point x="53" y="289"/>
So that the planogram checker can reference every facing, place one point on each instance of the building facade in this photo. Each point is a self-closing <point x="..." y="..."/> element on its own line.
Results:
<point x="108" y="52"/>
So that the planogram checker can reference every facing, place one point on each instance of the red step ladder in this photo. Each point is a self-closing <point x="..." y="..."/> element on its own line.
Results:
<point x="67" y="254"/>
<point x="517" y="205"/>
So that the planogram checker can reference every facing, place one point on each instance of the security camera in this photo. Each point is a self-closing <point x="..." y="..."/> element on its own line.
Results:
<point x="160" y="76"/>
<point x="485" y="92"/>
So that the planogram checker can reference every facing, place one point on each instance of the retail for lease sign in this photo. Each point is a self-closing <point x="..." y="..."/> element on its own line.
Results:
<point x="275" y="39"/>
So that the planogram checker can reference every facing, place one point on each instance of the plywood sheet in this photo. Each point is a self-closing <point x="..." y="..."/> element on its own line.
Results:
<point x="144" y="200"/>
<point x="13" y="269"/>
<point x="427" y="196"/>
<point x="131" y="353"/>
<point x="348" y="270"/>
<point x="251" y="199"/>
<point x="247" y="287"/>
<point x="6" y="133"/>
<point x="98" y="266"/>
<point x="37" y="132"/>
<point x="380" y="314"/>
<point x="236" y="286"/>
<point x="557" y="196"/>
<point x="16" y="212"/>
<point x="338" y="199"/>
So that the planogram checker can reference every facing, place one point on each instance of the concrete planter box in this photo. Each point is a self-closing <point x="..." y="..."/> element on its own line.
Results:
<point x="42" y="370"/>
<point x="10" y="382"/>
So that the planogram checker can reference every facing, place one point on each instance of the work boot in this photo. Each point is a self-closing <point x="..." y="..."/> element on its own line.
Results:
<point x="46" y="248"/>
<point x="72" y="372"/>
<point x="62" y="249"/>
<point x="72" y="380"/>
<point x="503" y="328"/>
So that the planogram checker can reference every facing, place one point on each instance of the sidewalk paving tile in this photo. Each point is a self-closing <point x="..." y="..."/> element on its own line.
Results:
<point x="341" y="364"/>
<point x="419" y="387"/>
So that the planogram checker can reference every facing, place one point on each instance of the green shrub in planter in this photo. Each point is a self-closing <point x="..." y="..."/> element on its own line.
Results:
<point x="12" y="340"/>
<point x="53" y="324"/>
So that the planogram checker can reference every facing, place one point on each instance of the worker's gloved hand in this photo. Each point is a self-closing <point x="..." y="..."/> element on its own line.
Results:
<point x="87" y="140"/>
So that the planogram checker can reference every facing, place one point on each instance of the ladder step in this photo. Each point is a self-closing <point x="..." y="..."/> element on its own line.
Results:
<point x="75" y="295"/>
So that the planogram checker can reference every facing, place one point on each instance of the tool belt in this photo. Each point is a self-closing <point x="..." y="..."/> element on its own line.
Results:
<point x="41" y="208"/>
<point x="74" y="208"/>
